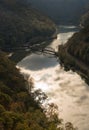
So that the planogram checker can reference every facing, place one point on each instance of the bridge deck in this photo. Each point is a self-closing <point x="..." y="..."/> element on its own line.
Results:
<point x="35" y="49"/>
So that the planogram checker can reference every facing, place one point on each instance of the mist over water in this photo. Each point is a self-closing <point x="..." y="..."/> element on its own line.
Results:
<point x="66" y="89"/>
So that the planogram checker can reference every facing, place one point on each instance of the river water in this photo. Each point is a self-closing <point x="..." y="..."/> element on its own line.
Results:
<point x="66" y="89"/>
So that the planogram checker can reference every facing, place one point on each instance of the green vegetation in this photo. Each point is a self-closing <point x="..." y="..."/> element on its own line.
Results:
<point x="20" y="24"/>
<point x="18" y="108"/>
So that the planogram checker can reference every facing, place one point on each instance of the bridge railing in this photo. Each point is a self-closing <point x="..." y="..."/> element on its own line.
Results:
<point x="48" y="51"/>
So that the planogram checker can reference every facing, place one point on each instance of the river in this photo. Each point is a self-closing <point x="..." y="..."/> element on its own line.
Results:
<point x="66" y="89"/>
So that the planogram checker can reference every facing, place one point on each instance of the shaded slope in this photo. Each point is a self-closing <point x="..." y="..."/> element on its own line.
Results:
<point x="19" y="23"/>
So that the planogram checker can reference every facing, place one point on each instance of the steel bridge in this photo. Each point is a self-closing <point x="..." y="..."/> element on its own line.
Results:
<point x="49" y="51"/>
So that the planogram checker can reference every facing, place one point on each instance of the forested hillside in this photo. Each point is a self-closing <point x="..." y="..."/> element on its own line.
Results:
<point x="78" y="45"/>
<point x="76" y="54"/>
<point x="20" y="23"/>
<point x="18" y="108"/>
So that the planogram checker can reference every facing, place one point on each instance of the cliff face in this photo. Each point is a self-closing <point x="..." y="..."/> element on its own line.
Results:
<point x="20" y="23"/>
